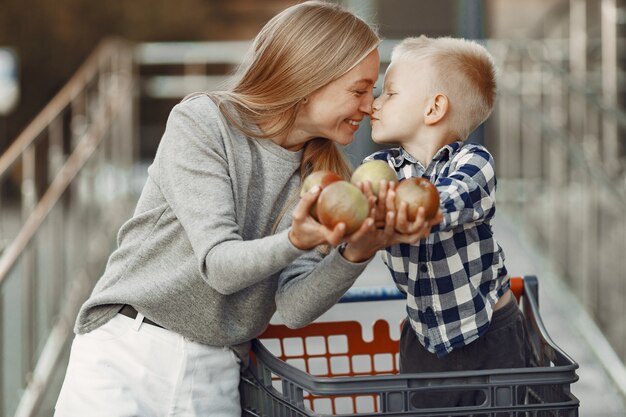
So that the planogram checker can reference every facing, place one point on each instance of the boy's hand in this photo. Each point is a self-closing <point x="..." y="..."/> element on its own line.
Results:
<point x="383" y="202"/>
<point x="364" y="243"/>
<point x="404" y="226"/>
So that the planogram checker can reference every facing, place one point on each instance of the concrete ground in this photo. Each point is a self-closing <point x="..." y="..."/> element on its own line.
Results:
<point x="568" y="326"/>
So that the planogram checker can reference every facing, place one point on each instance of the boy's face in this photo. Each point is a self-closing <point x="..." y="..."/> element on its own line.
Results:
<point x="398" y="113"/>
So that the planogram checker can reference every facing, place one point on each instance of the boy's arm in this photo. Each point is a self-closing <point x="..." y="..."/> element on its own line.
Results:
<point x="467" y="192"/>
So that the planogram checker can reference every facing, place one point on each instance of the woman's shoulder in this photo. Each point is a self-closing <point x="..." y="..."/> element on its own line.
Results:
<point x="200" y="112"/>
<point x="198" y="104"/>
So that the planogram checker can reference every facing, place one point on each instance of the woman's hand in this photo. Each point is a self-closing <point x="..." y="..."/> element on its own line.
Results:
<point x="396" y="228"/>
<point x="306" y="233"/>
<point x="369" y="239"/>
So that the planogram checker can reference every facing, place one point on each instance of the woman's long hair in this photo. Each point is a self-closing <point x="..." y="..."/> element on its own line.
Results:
<point x="297" y="52"/>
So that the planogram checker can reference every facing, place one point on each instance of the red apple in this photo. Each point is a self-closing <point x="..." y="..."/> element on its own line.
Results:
<point x="321" y="179"/>
<point x="342" y="202"/>
<point x="374" y="171"/>
<point x="418" y="192"/>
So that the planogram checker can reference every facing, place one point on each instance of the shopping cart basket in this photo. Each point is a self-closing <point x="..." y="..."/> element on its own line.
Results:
<point x="328" y="369"/>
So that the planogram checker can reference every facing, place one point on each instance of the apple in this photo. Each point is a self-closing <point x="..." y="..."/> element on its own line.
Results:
<point x="418" y="192"/>
<point x="321" y="179"/>
<point x="342" y="202"/>
<point x="374" y="171"/>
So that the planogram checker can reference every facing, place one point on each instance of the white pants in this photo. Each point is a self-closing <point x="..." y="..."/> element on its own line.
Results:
<point x="128" y="368"/>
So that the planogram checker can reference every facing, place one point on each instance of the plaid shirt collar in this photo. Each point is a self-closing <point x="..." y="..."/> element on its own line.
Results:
<point x="403" y="157"/>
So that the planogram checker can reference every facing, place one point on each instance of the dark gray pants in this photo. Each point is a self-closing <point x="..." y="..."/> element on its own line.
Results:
<point x="504" y="345"/>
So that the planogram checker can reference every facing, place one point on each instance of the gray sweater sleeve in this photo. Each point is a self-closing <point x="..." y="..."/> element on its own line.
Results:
<point x="193" y="176"/>
<point x="311" y="285"/>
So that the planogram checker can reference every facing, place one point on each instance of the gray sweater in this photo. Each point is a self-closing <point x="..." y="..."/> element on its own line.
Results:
<point x="199" y="257"/>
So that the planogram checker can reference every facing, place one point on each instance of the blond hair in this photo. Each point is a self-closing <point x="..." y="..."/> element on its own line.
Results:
<point x="300" y="50"/>
<point x="463" y="70"/>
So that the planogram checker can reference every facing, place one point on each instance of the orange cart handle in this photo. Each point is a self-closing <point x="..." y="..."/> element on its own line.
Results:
<point x="517" y="286"/>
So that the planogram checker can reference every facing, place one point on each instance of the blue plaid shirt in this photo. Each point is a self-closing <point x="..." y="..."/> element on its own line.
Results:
<point x="453" y="277"/>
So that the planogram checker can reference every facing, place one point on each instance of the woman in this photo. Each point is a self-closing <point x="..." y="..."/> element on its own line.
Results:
<point x="219" y="241"/>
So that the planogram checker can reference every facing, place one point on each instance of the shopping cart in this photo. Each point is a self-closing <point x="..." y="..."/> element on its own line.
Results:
<point x="328" y="369"/>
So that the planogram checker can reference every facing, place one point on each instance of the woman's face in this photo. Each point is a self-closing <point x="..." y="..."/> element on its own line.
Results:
<point x="335" y="110"/>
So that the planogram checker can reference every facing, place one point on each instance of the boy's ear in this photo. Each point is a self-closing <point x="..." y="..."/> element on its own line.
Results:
<point x="436" y="109"/>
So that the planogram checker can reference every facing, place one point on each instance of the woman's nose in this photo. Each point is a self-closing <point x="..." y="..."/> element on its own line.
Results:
<point x="366" y="103"/>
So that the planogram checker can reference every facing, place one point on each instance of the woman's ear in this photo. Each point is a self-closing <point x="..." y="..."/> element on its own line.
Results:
<point x="436" y="109"/>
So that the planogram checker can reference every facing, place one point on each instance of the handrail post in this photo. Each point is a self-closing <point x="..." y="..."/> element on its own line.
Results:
<point x="29" y="200"/>
<point x="610" y="144"/>
<point x="579" y="201"/>
<point x="57" y="232"/>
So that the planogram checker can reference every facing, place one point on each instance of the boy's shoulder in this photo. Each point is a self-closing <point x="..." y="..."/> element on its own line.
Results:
<point x="473" y="147"/>
<point x="473" y="150"/>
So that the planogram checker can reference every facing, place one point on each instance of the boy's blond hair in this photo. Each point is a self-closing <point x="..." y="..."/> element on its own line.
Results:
<point x="463" y="70"/>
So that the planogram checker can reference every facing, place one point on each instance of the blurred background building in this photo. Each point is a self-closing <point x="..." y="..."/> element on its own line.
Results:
<point x="88" y="87"/>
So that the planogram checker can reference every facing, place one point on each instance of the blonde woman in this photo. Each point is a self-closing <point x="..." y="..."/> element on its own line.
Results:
<point x="218" y="243"/>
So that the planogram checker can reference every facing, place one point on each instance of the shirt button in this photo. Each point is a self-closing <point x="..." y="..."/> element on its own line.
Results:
<point x="423" y="268"/>
<point x="431" y="320"/>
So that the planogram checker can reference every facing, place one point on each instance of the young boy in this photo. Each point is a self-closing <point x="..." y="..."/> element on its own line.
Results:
<point x="461" y="313"/>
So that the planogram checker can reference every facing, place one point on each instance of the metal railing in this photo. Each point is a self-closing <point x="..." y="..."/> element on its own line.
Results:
<point x="72" y="167"/>
<point x="550" y="133"/>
